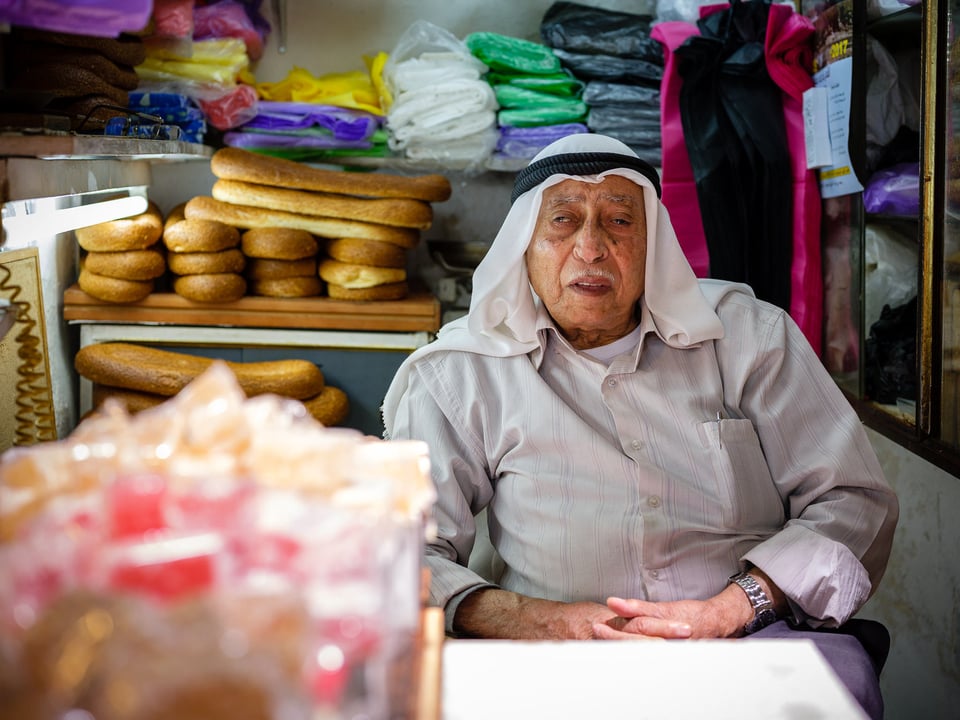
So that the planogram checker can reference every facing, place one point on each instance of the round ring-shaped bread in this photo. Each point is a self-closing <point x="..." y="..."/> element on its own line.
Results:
<point x="230" y="260"/>
<point x="211" y="287"/>
<point x="367" y="252"/>
<point x="113" y="290"/>
<point x="175" y="215"/>
<point x="146" y="264"/>
<point x="133" y="400"/>
<point x="388" y="291"/>
<point x="279" y="243"/>
<point x="270" y="269"/>
<point x="353" y="275"/>
<point x="133" y="233"/>
<point x="292" y="287"/>
<point x="330" y="407"/>
<point x="197" y="235"/>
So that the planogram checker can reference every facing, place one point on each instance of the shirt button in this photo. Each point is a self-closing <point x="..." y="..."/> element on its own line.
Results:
<point x="653" y="501"/>
<point x="654" y="574"/>
<point x="636" y="445"/>
<point x="611" y="382"/>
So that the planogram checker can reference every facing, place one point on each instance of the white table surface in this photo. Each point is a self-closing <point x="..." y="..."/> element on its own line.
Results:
<point x="593" y="680"/>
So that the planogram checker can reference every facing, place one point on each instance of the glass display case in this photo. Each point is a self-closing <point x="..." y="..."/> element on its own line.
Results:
<point x="891" y="222"/>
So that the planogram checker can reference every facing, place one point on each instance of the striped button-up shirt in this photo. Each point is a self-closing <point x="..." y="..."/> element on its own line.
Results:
<point x="656" y="476"/>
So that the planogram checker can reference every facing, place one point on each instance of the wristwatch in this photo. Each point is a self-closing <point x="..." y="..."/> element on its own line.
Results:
<point x="763" y="612"/>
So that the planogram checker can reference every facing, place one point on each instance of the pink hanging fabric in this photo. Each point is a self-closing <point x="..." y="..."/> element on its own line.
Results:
<point x="679" y="192"/>
<point x="788" y="52"/>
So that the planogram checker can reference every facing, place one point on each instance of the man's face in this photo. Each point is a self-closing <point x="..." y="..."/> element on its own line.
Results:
<point x="587" y="257"/>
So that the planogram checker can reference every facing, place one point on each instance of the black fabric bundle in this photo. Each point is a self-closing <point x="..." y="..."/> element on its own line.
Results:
<point x="734" y="129"/>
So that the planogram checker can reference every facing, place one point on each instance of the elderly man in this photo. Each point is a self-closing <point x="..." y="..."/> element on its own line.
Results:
<point x="658" y="456"/>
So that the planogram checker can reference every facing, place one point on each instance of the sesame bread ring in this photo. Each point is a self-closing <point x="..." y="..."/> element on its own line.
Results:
<point x="389" y="291"/>
<point x="133" y="233"/>
<point x="292" y="287"/>
<point x="113" y="290"/>
<point x="330" y="407"/>
<point x="146" y="264"/>
<point x="192" y="235"/>
<point x="238" y="164"/>
<point x="402" y="212"/>
<point x="205" y="263"/>
<point x="271" y="269"/>
<point x="367" y="252"/>
<point x="165" y="372"/>
<point x="133" y="400"/>
<point x="246" y="216"/>
<point x="175" y="215"/>
<point x="278" y="243"/>
<point x="211" y="287"/>
<point x="352" y="275"/>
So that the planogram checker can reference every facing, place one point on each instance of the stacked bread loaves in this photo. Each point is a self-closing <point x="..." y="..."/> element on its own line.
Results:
<point x="122" y="259"/>
<point x="282" y="262"/>
<point x="88" y="78"/>
<point x="141" y="377"/>
<point x="204" y="258"/>
<point x="365" y="222"/>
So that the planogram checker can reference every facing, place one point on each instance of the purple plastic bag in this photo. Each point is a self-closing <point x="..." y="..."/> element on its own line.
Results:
<point x="525" y="142"/>
<point x="345" y="124"/>
<point x="253" y="140"/>
<point x="102" y="18"/>
<point x="894" y="190"/>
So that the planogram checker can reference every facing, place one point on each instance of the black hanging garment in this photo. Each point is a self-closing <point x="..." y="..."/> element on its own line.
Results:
<point x="733" y="126"/>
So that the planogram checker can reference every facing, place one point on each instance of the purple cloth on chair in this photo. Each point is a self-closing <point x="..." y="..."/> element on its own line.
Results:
<point x="846" y="651"/>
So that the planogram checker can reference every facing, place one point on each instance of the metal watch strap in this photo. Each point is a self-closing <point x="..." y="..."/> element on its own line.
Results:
<point x="763" y="612"/>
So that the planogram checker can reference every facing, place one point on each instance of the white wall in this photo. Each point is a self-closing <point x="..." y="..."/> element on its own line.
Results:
<point x="919" y="599"/>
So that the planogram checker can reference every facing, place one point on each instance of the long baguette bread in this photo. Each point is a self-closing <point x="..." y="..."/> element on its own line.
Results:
<point x="164" y="372"/>
<point x="247" y="217"/>
<point x="401" y="212"/>
<point x="231" y="163"/>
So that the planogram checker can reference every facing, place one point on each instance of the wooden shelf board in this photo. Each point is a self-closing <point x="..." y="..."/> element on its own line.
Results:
<point x="420" y="311"/>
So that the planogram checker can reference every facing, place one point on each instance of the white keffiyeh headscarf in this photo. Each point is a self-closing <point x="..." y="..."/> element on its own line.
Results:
<point x="503" y="308"/>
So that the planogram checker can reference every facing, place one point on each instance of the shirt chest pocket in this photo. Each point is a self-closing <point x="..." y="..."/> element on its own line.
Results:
<point x="745" y="490"/>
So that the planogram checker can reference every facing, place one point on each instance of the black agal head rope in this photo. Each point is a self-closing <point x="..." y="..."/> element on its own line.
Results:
<point x="586" y="163"/>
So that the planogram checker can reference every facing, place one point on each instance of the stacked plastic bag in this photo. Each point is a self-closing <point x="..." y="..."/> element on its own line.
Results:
<point x="309" y="131"/>
<point x="311" y="118"/>
<point x="202" y="53"/>
<point x="439" y="107"/>
<point x="539" y="100"/>
<point x="622" y="66"/>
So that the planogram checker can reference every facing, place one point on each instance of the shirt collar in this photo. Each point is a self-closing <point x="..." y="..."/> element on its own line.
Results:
<point x="544" y="325"/>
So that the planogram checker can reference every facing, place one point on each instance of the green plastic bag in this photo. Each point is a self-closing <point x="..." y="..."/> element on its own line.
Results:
<point x="511" y="96"/>
<point x="555" y="83"/>
<point x="534" y="117"/>
<point x="509" y="54"/>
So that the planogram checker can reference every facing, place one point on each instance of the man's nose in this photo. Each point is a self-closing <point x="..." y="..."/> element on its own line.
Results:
<point x="591" y="246"/>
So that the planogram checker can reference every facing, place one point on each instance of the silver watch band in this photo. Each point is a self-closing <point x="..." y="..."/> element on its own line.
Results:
<point x="763" y="612"/>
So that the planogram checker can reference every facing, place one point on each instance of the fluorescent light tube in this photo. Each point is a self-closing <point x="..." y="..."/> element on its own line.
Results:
<point x="54" y="222"/>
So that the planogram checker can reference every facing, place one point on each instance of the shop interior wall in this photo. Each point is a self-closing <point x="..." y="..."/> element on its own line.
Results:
<point x="919" y="599"/>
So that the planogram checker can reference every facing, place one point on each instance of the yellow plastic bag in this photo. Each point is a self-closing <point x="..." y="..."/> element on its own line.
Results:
<point x="353" y="89"/>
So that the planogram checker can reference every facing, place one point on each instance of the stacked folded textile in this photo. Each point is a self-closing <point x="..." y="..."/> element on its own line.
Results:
<point x="622" y="66"/>
<point x="309" y="131"/>
<point x="440" y="108"/>
<point x="85" y="78"/>
<point x="539" y="100"/>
